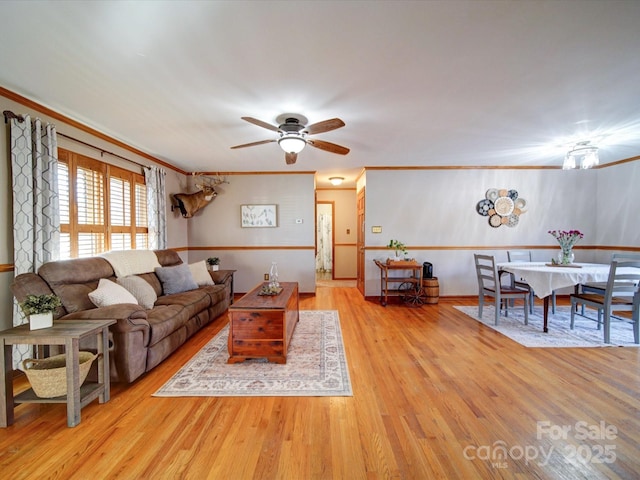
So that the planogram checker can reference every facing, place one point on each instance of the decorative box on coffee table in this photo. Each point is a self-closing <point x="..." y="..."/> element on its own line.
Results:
<point x="261" y="326"/>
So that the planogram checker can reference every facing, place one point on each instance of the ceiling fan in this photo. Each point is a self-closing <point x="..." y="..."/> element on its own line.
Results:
<point x="293" y="135"/>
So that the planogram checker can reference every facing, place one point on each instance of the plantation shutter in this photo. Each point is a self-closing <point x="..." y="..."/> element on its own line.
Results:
<point x="90" y="203"/>
<point x="102" y="207"/>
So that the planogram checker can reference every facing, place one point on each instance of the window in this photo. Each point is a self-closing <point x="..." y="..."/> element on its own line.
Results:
<point x="102" y="207"/>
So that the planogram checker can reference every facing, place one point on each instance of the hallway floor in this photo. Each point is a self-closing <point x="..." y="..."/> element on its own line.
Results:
<point x="323" y="279"/>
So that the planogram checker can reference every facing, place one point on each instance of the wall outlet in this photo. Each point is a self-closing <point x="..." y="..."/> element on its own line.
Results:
<point x="266" y="277"/>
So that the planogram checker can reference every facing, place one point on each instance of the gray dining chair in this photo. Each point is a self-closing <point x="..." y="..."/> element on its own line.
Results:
<point x="621" y="294"/>
<point x="599" y="287"/>
<point x="489" y="285"/>
<point x="525" y="256"/>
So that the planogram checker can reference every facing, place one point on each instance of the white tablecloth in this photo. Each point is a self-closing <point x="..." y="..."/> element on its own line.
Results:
<point x="545" y="279"/>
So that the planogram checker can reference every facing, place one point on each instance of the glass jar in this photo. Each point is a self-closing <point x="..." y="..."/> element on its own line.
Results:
<point x="273" y="275"/>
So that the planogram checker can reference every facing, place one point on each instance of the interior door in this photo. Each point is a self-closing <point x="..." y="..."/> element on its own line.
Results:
<point x="324" y="241"/>
<point x="360" y="242"/>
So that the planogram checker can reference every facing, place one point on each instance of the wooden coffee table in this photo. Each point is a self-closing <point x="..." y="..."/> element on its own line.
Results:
<point x="262" y="326"/>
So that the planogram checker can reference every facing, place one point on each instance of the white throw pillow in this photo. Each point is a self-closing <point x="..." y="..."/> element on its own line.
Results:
<point x="141" y="289"/>
<point x="110" y="293"/>
<point x="200" y="273"/>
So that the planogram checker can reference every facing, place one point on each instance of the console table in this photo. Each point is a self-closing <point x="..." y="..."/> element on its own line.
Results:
<point x="262" y="325"/>
<point x="67" y="333"/>
<point x="410" y="286"/>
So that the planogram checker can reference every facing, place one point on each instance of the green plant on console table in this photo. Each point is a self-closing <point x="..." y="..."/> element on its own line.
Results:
<point x="397" y="246"/>
<point x="213" y="261"/>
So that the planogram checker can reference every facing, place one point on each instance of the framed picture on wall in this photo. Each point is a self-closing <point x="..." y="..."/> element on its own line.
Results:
<point x="252" y="216"/>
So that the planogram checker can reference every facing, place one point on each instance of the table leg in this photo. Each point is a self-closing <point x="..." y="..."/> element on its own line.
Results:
<point x="103" y="365"/>
<point x="545" y="308"/>
<point x="6" y="386"/>
<point x="72" y="351"/>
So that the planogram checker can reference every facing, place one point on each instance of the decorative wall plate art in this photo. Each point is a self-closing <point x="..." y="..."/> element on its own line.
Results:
<point x="502" y="206"/>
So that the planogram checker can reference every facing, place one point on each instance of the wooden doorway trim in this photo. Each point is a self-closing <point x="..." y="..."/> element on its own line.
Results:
<point x="360" y="212"/>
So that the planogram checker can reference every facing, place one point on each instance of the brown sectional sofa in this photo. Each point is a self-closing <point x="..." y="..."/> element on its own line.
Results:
<point x="140" y="339"/>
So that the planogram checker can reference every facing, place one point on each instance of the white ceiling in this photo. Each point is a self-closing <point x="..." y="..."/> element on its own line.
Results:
<point x="467" y="83"/>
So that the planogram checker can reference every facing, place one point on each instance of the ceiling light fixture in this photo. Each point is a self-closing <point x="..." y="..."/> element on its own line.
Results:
<point x="582" y="154"/>
<point x="336" y="180"/>
<point x="292" y="143"/>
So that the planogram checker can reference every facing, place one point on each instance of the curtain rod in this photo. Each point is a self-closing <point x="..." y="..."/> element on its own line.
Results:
<point x="9" y="114"/>
<point x="102" y="150"/>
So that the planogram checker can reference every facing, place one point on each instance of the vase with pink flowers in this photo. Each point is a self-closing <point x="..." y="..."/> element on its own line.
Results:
<point x="567" y="239"/>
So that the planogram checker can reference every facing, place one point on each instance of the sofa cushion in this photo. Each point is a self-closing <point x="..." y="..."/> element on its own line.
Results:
<point x="110" y="293"/>
<point x="193" y="301"/>
<point x="176" y="279"/>
<point x="200" y="273"/>
<point x="72" y="280"/>
<point x="164" y="320"/>
<point x="139" y="288"/>
<point x="218" y="293"/>
<point x="168" y="257"/>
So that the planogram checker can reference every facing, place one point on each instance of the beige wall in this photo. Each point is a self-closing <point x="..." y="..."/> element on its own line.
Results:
<point x="434" y="210"/>
<point x="216" y="229"/>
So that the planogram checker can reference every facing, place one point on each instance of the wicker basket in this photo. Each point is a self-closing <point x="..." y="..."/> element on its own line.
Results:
<point x="48" y="377"/>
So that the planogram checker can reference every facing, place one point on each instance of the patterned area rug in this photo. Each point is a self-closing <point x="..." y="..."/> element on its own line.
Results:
<point x="584" y="334"/>
<point x="316" y="366"/>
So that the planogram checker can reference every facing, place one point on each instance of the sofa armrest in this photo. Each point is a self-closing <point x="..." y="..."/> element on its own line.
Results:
<point x="130" y="336"/>
<point x="221" y="276"/>
<point x="129" y="317"/>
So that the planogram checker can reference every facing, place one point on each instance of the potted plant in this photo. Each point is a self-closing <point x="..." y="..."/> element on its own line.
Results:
<point x="398" y="247"/>
<point x="214" y="263"/>
<point x="39" y="309"/>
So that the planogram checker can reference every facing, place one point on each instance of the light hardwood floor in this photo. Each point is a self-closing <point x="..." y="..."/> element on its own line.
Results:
<point x="436" y="395"/>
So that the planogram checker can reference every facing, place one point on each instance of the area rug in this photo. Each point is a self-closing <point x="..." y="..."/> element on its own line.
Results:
<point x="316" y="366"/>
<point x="584" y="334"/>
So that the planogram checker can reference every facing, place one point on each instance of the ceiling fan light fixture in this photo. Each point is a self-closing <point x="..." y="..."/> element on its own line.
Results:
<point x="292" y="143"/>
<point x="582" y="154"/>
<point x="336" y="180"/>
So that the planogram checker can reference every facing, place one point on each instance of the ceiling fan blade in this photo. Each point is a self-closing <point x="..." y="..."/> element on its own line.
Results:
<point x="328" y="146"/>
<point x="261" y="142"/>
<point x="325" y="126"/>
<point x="290" y="158"/>
<point x="260" y="123"/>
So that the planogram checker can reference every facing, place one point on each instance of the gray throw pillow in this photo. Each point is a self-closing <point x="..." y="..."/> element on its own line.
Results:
<point x="176" y="279"/>
<point x="141" y="289"/>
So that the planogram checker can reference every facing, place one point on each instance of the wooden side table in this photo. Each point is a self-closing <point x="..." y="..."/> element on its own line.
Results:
<point x="67" y="333"/>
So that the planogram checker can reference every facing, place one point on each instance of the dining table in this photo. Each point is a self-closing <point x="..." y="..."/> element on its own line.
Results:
<point x="544" y="278"/>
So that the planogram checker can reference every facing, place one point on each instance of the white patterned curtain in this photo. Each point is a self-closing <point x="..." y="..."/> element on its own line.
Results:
<point x="36" y="213"/>
<point x="323" y="256"/>
<point x="157" y="207"/>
